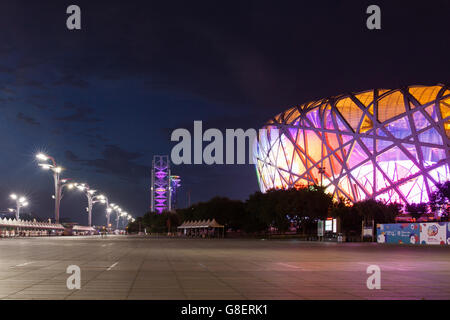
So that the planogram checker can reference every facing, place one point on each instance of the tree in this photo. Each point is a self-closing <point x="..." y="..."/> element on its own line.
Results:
<point x="416" y="210"/>
<point x="352" y="215"/>
<point x="278" y="208"/>
<point x="378" y="211"/>
<point x="440" y="200"/>
<point x="349" y="217"/>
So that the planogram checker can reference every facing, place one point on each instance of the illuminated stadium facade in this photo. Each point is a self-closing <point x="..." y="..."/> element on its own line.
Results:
<point x="390" y="145"/>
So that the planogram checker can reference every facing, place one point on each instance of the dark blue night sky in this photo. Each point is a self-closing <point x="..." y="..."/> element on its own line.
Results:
<point x="105" y="99"/>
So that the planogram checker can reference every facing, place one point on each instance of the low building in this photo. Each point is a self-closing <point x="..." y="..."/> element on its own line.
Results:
<point x="73" y="229"/>
<point x="14" y="228"/>
<point x="202" y="229"/>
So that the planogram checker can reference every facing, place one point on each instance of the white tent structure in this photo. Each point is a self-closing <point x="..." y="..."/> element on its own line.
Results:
<point x="202" y="228"/>
<point x="82" y="230"/>
<point x="12" y="227"/>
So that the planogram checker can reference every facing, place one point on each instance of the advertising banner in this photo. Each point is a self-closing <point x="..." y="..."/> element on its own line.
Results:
<point x="433" y="233"/>
<point x="448" y="233"/>
<point x="407" y="233"/>
<point x="414" y="233"/>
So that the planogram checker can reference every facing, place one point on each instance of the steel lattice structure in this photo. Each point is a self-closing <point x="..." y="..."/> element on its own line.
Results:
<point x="383" y="144"/>
<point x="160" y="189"/>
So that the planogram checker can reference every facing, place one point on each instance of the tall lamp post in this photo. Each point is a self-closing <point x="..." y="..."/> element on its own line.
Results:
<point x="104" y="200"/>
<point x="108" y="215"/>
<point x="119" y="212"/>
<point x="20" y="203"/>
<point x="117" y="209"/>
<point x="56" y="177"/>
<point x="92" y="199"/>
<point x="125" y="216"/>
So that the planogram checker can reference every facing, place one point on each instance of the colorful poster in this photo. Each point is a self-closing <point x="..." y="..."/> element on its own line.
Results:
<point x="433" y="233"/>
<point x="407" y="233"/>
<point x="448" y="232"/>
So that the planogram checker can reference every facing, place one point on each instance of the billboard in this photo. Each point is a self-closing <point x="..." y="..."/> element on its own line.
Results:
<point x="434" y="233"/>
<point x="448" y="232"/>
<point x="398" y="233"/>
<point x="414" y="233"/>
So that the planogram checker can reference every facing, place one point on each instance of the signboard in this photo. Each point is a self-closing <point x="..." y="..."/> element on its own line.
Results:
<point x="433" y="233"/>
<point x="334" y="225"/>
<point x="320" y="228"/>
<point x="407" y="233"/>
<point x="367" y="232"/>
<point x="328" y="225"/>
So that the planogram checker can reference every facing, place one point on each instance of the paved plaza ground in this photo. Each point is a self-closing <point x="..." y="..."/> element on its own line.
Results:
<point x="127" y="267"/>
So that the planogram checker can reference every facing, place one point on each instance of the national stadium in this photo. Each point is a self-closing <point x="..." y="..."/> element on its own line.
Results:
<point x="383" y="144"/>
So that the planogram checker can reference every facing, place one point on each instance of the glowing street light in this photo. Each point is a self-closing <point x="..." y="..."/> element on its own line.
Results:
<point x="92" y="198"/>
<point x="119" y="213"/>
<point x="20" y="203"/>
<point x="59" y="184"/>
<point x="104" y="200"/>
<point x="101" y="198"/>
<point x="41" y="156"/>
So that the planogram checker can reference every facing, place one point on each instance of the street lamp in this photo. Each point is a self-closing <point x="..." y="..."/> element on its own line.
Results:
<point x="104" y="200"/>
<point x="56" y="177"/>
<point x="108" y="215"/>
<point x="118" y="212"/>
<point x="92" y="198"/>
<point x="101" y="198"/>
<point x="124" y="215"/>
<point x="20" y="203"/>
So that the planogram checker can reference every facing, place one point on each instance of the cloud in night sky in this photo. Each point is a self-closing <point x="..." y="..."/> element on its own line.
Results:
<point x="27" y="119"/>
<point x="115" y="161"/>
<point x="71" y="80"/>
<point x="80" y="114"/>
<point x="71" y="156"/>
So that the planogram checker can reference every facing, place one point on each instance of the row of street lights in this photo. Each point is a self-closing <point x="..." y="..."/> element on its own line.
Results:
<point x="91" y="195"/>
<point x="21" y="202"/>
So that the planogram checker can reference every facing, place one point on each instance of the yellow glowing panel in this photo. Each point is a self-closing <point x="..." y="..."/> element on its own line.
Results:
<point x="425" y="94"/>
<point x="279" y="117"/>
<point x="445" y="112"/>
<point x="366" y="125"/>
<point x="445" y="108"/>
<point x="350" y="111"/>
<point x="295" y="114"/>
<point x="301" y="183"/>
<point x="366" y="98"/>
<point x="391" y="106"/>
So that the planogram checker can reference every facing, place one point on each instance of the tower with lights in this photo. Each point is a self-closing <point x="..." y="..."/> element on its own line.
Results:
<point x="164" y="186"/>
